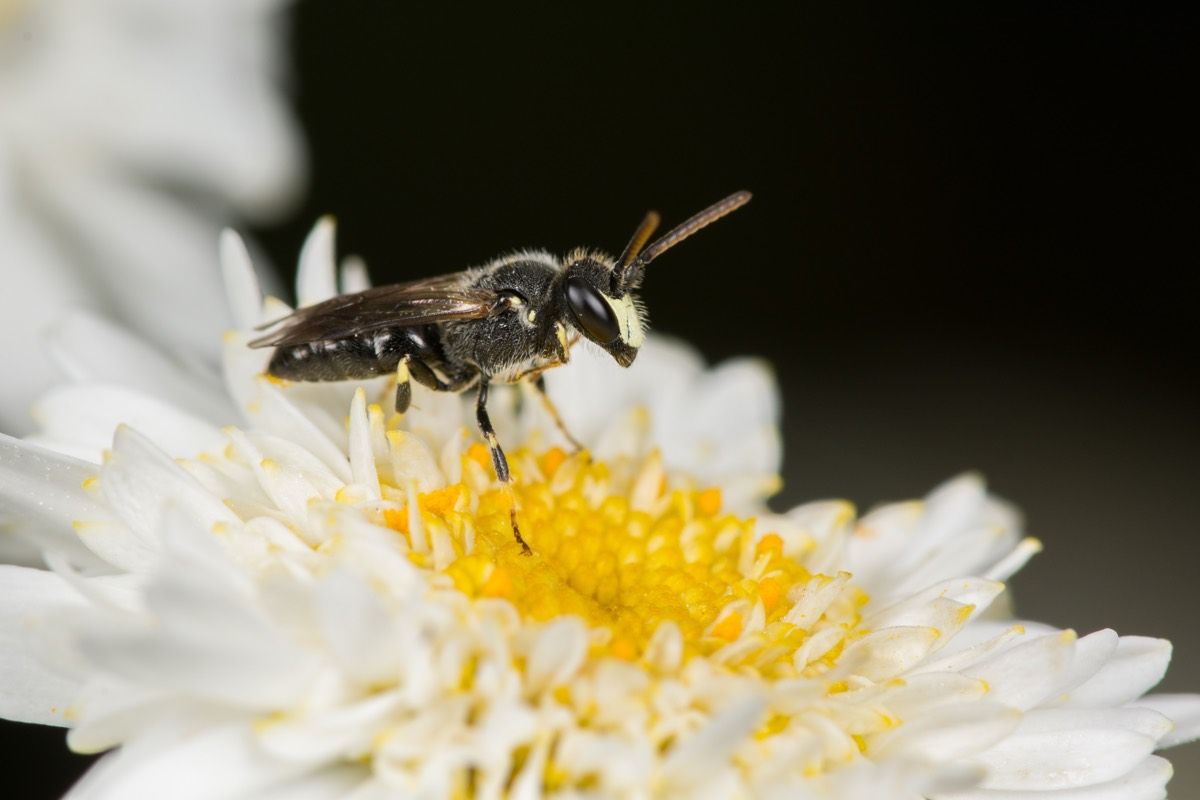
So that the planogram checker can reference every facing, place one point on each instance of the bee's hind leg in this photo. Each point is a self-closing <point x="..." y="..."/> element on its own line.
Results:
<point x="403" y="385"/>
<point x="498" y="459"/>
<point x="414" y="369"/>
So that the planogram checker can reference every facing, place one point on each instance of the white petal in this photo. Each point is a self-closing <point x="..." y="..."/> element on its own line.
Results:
<point x="1137" y="665"/>
<point x="362" y="452"/>
<point x="983" y="639"/>
<point x="1014" y="561"/>
<point x="87" y="414"/>
<point x="211" y="764"/>
<point x="342" y="782"/>
<point x="1063" y="759"/>
<point x="141" y="482"/>
<point x="241" y="367"/>
<point x="942" y="734"/>
<point x="316" y="277"/>
<point x="1182" y="709"/>
<point x="970" y="596"/>
<point x="1143" y="721"/>
<point x="664" y="651"/>
<point x="697" y="758"/>
<point x="91" y="349"/>
<point x="413" y="462"/>
<point x="42" y="282"/>
<point x="278" y="415"/>
<point x="885" y="653"/>
<point x="951" y="508"/>
<point x="31" y="690"/>
<point x="814" y="598"/>
<point x="1027" y="674"/>
<point x="556" y="655"/>
<point x="1092" y="652"/>
<point x="290" y="492"/>
<point x="358" y="629"/>
<point x="43" y="496"/>
<point x="181" y="306"/>
<point x="1147" y="781"/>
<point x="241" y="281"/>
<point x="354" y="275"/>
<point x="210" y="641"/>
<point x="922" y="693"/>
<point x="323" y="736"/>
<point x="112" y="712"/>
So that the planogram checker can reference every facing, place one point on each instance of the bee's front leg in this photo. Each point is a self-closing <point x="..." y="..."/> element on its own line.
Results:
<point x="537" y="376"/>
<point x="539" y="383"/>
<point x="498" y="459"/>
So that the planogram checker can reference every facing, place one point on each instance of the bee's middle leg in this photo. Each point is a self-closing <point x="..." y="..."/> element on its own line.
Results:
<point x="410" y="369"/>
<point x="499" y="461"/>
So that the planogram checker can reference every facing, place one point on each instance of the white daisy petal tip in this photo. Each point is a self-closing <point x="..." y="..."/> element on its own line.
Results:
<point x="316" y="277"/>
<point x="241" y="281"/>
<point x="354" y="275"/>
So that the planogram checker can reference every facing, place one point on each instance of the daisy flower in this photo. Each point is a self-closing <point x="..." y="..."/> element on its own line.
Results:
<point x="131" y="131"/>
<point x="273" y="590"/>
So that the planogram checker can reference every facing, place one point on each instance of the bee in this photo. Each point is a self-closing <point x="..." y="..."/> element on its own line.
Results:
<point x="506" y="322"/>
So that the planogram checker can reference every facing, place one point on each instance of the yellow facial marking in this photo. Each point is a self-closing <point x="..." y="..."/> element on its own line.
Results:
<point x="561" y="332"/>
<point x="627" y="318"/>
<point x="402" y="371"/>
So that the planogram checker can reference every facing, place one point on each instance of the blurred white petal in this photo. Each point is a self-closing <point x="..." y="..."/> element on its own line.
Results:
<point x="131" y="131"/>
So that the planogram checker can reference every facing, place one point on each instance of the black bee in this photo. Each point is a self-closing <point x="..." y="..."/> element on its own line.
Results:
<point x="508" y="321"/>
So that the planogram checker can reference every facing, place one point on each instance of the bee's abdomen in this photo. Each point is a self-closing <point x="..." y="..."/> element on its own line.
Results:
<point x="353" y="357"/>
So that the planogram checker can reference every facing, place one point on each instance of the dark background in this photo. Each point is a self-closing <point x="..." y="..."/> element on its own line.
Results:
<point x="972" y="243"/>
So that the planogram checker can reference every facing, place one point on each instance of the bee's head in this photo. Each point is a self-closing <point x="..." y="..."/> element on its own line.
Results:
<point x="601" y="308"/>
<point x="599" y="294"/>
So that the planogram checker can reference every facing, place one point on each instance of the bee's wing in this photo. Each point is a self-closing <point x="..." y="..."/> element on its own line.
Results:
<point x="445" y="298"/>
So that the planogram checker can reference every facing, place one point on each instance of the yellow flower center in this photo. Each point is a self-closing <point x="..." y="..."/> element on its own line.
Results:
<point x="620" y="547"/>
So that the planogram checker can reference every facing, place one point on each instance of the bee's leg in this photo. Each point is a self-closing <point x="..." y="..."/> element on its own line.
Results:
<point x="424" y="375"/>
<point x="539" y="383"/>
<point x="498" y="459"/>
<point x="403" y="385"/>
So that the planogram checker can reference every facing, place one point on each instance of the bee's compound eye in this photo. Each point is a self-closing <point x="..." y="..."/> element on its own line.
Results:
<point x="594" y="314"/>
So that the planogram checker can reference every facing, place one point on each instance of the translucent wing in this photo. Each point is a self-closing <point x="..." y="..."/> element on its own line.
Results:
<point x="445" y="298"/>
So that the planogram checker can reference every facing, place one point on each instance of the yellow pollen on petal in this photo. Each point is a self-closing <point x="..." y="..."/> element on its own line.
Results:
<point x="771" y="543"/>
<point x="551" y="460"/>
<point x="396" y="519"/>
<point x="708" y="502"/>
<point x="728" y="628"/>
<point x="770" y="592"/>
<point x="480" y="454"/>
<point x="442" y="501"/>
<point x="625" y="649"/>
<point x="498" y="584"/>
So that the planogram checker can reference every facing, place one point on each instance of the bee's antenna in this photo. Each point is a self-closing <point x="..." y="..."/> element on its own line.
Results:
<point x="629" y="272"/>
<point x="640" y="237"/>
